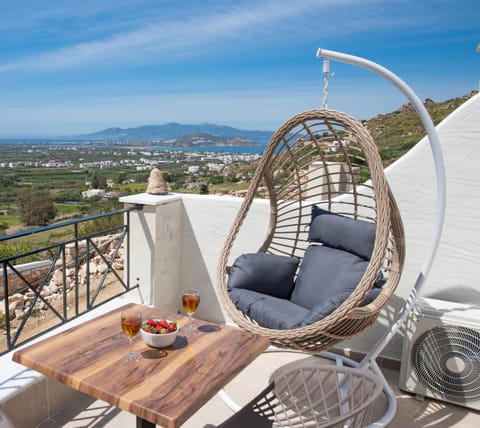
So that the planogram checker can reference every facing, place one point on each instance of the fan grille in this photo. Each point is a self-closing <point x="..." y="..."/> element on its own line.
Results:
<point x="447" y="361"/>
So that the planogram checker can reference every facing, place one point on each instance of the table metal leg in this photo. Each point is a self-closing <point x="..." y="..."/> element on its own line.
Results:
<point x="142" y="423"/>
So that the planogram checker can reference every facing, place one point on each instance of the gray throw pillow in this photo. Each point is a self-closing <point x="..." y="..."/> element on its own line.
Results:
<point x="326" y="272"/>
<point x="344" y="233"/>
<point x="264" y="273"/>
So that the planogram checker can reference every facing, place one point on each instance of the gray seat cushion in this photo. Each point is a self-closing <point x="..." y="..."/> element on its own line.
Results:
<point x="268" y="311"/>
<point x="264" y="273"/>
<point x="344" y="233"/>
<point x="325" y="273"/>
<point x="281" y="314"/>
<point x="263" y="285"/>
<point x="320" y="311"/>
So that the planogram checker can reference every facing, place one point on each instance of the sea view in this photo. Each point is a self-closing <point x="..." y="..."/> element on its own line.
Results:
<point x="135" y="166"/>
<point x="214" y="149"/>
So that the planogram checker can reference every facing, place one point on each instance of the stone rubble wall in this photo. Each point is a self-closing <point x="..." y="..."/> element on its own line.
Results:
<point x="20" y="296"/>
<point x="32" y="272"/>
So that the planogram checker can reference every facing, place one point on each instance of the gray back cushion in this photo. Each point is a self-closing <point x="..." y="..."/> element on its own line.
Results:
<point x="344" y="233"/>
<point x="264" y="273"/>
<point x="325" y="273"/>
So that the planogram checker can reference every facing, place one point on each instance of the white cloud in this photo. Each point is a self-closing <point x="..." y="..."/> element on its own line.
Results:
<point x="8" y="67"/>
<point x="182" y="36"/>
<point x="166" y="31"/>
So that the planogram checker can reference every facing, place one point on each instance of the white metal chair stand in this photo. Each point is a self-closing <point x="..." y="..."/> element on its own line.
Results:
<point x="368" y="363"/>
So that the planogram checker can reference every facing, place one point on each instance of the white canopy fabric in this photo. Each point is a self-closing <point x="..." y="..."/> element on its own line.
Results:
<point x="455" y="273"/>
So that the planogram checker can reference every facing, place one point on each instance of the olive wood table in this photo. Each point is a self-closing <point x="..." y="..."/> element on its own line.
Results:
<point x="166" y="386"/>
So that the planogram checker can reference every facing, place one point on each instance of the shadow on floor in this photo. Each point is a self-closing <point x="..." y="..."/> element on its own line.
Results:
<point x="85" y="412"/>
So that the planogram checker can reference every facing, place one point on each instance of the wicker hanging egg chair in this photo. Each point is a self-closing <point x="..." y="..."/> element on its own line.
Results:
<point x="323" y="159"/>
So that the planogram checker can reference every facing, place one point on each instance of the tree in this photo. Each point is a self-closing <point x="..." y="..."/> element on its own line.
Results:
<point x="3" y="227"/>
<point x="203" y="189"/>
<point x="99" y="181"/>
<point x="121" y="178"/>
<point x="216" y="179"/>
<point x="36" y="209"/>
<point x="232" y="177"/>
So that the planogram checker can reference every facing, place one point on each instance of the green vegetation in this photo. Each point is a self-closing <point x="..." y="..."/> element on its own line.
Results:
<point x="35" y="208"/>
<point x="397" y="132"/>
<point x="63" y="209"/>
<point x="18" y="247"/>
<point x="103" y="223"/>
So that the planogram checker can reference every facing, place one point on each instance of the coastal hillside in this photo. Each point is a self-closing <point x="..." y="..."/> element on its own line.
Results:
<point x="397" y="132"/>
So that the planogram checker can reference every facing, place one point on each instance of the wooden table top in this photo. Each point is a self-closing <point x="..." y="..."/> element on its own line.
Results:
<point x="166" y="386"/>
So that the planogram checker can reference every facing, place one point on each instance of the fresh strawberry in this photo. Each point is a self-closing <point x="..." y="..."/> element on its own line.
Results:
<point x="156" y="326"/>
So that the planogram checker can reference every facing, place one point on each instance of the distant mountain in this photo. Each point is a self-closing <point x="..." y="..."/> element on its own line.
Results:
<point x="186" y="134"/>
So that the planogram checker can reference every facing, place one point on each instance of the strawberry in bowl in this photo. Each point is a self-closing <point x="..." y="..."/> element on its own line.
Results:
<point x="159" y="332"/>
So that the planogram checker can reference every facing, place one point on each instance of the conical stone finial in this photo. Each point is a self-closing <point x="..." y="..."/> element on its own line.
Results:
<point x="156" y="183"/>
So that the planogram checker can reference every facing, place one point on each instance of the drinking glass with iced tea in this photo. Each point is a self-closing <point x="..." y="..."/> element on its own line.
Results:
<point x="131" y="322"/>
<point x="190" y="302"/>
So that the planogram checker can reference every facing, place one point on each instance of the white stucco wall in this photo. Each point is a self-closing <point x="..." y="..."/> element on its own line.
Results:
<point x="207" y="221"/>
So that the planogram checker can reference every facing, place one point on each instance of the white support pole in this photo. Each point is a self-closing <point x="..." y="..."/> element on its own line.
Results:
<point x="440" y="182"/>
<point x="369" y="361"/>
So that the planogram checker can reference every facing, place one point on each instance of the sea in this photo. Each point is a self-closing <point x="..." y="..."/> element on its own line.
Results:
<point x="213" y="149"/>
<point x="257" y="149"/>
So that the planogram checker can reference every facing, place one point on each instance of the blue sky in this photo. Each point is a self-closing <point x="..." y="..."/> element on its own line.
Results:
<point x="71" y="67"/>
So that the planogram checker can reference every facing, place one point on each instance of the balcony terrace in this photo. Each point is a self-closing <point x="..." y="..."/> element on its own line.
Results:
<point x="174" y="243"/>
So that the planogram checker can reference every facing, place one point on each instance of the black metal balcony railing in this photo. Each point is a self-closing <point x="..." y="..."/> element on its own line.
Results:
<point x="68" y="284"/>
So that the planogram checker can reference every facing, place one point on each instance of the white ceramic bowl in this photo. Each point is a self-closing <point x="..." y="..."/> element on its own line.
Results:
<point x="159" y="340"/>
